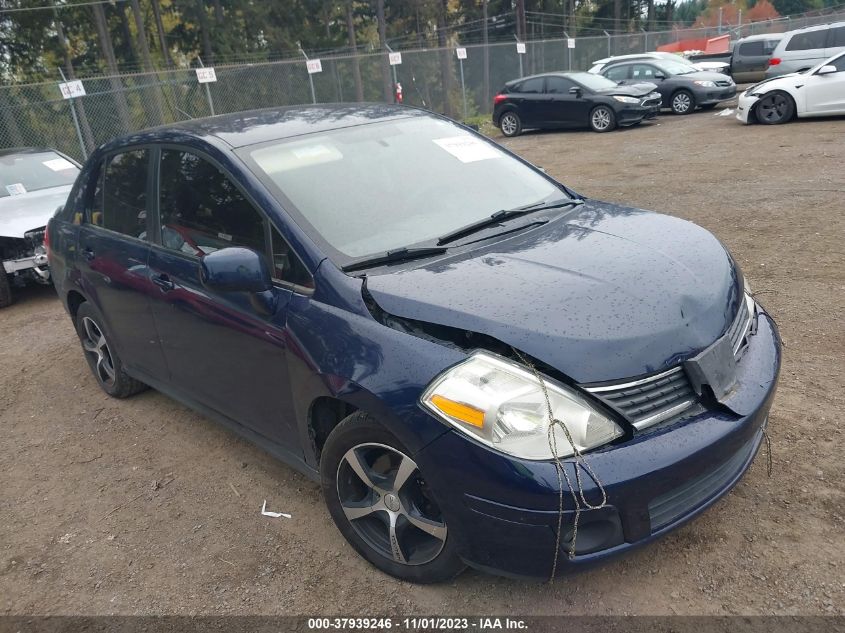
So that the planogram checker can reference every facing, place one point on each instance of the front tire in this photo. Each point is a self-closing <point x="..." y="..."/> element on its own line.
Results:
<point x="602" y="119"/>
<point x="381" y="504"/>
<point x="682" y="102"/>
<point x="5" y="289"/>
<point x="101" y="356"/>
<point x="774" y="108"/>
<point x="510" y="124"/>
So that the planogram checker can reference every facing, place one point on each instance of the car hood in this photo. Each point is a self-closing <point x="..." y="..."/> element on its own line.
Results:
<point x="767" y="82"/>
<point x="32" y="210"/>
<point x="630" y="90"/>
<point x="603" y="293"/>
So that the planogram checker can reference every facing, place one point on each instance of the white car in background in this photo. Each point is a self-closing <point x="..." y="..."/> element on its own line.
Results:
<point x="718" y="67"/>
<point x="819" y="91"/>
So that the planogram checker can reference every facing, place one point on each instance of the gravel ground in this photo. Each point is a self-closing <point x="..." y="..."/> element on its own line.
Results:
<point x="142" y="506"/>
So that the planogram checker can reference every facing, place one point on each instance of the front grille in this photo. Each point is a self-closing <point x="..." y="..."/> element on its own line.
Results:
<point x="650" y="400"/>
<point x="35" y="237"/>
<point x="679" y="501"/>
<point x="742" y="325"/>
<point x="651" y="101"/>
<point x="724" y="84"/>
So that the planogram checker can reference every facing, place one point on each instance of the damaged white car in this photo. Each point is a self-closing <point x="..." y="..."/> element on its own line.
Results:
<point x="33" y="183"/>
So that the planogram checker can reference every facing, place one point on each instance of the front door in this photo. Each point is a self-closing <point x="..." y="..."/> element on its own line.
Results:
<point x="561" y="107"/>
<point x="825" y="94"/>
<point x="113" y="252"/>
<point x="226" y="350"/>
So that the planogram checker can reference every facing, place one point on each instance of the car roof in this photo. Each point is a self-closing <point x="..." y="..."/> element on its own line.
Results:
<point x="258" y="126"/>
<point x="556" y="73"/>
<point x="650" y="55"/>
<point x="760" y="36"/>
<point x="815" y="27"/>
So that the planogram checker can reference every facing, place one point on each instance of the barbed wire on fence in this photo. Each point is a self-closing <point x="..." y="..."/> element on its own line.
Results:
<point x="35" y="114"/>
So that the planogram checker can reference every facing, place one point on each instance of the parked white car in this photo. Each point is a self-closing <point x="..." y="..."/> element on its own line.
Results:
<point x="819" y="91"/>
<point x="718" y="67"/>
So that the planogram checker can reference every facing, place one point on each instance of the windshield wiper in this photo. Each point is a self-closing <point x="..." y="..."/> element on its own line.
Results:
<point x="394" y="256"/>
<point x="504" y="214"/>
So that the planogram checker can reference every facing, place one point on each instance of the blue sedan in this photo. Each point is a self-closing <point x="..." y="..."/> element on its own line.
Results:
<point x="479" y="365"/>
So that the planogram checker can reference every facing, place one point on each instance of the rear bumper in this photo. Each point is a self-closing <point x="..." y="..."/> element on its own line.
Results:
<point x="503" y="512"/>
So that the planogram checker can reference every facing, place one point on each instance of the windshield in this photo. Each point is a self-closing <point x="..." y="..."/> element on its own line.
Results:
<point x="368" y="189"/>
<point x="594" y="82"/>
<point x="20" y="173"/>
<point x="675" y="68"/>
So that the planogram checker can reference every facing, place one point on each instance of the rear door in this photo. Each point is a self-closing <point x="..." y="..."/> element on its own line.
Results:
<point x="112" y="258"/>
<point x="560" y="107"/>
<point x="641" y="72"/>
<point x="528" y="95"/>
<point x="825" y="94"/>
<point x="226" y="350"/>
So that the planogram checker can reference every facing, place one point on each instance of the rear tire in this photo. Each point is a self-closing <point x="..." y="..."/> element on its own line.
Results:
<point x="774" y="108"/>
<point x="381" y="504"/>
<point x="682" y="102"/>
<point x="510" y="124"/>
<point x="602" y="119"/>
<point x="5" y="290"/>
<point x="101" y="356"/>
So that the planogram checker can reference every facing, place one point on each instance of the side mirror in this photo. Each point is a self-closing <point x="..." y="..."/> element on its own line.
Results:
<point x="235" y="269"/>
<point x="576" y="91"/>
<point x="660" y="76"/>
<point x="827" y="70"/>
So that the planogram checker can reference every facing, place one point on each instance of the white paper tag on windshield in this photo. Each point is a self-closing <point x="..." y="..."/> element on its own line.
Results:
<point x="58" y="164"/>
<point x="16" y="189"/>
<point x="468" y="149"/>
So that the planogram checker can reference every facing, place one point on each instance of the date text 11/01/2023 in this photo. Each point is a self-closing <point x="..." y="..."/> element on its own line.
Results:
<point x="417" y="623"/>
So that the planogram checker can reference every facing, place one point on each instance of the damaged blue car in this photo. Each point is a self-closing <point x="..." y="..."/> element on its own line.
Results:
<point x="481" y="366"/>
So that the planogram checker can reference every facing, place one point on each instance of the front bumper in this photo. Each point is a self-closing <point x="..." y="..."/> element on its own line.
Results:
<point x="744" y="106"/>
<point x="631" y="114"/>
<point x="502" y="511"/>
<point x="707" y="96"/>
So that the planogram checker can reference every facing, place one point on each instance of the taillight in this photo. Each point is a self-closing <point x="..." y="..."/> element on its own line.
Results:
<point x="774" y="61"/>
<point x="499" y="98"/>
<point x="47" y="239"/>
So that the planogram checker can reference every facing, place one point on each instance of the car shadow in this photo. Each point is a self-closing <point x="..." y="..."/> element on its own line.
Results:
<point x="33" y="294"/>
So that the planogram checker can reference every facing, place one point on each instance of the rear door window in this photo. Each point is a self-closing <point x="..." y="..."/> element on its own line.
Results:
<point x="807" y="41"/>
<point x="559" y="85"/>
<point x="120" y="201"/>
<point x="530" y="86"/>
<point x="617" y="73"/>
<point x="751" y="49"/>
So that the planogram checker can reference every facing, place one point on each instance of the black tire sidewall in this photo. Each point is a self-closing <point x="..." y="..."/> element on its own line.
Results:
<point x="124" y="385"/>
<point x="689" y="110"/>
<point x="785" y="119"/>
<point x="518" y="123"/>
<point x="610" y="111"/>
<point x="5" y="289"/>
<point x="360" y="428"/>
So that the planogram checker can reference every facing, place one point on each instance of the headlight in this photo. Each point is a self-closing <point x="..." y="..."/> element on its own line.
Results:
<point x="502" y="405"/>
<point x="704" y="83"/>
<point x="626" y="99"/>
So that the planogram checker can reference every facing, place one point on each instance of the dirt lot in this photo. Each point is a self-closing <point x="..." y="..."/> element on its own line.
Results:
<point x="142" y="506"/>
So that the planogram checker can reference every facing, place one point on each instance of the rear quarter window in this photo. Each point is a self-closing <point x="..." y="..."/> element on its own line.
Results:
<point x="837" y="36"/>
<point x="807" y="41"/>
<point x="530" y="86"/>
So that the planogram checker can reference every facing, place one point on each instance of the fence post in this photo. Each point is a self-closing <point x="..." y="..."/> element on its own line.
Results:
<point x="75" y="121"/>
<point x="645" y="40"/>
<point x="310" y="78"/>
<point x="463" y="86"/>
<point x="609" y="54"/>
<point x="207" y="90"/>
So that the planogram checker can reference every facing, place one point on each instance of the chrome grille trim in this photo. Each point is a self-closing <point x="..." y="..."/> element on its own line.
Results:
<point x="742" y="324"/>
<point x="649" y="400"/>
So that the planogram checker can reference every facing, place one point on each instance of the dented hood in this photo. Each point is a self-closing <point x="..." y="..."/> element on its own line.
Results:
<point x="32" y="210"/>
<point x="602" y="293"/>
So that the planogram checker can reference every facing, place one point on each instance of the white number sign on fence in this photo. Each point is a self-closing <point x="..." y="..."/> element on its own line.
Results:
<point x="394" y="58"/>
<point x="314" y="66"/>
<point x="72" y="89"/>
<point x="462" y="53"/>
<point x="570" y="43"/>
<point x="520" y="48"/>
<point x="206" y="75"/>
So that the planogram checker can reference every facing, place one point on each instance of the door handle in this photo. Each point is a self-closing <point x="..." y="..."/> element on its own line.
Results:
<point x="87" y="253"/>
<point x="163" y="282"/>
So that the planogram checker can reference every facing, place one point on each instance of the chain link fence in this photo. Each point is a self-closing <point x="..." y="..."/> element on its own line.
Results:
<point x="37" y="115"/>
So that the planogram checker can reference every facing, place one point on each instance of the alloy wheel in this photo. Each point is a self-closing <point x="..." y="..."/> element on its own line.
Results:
<point x="773" y="108"/>
<point x="94" y="343"/>
<point x="681" y="102"/>
<point x="386" y="500"/>
<point x="509" y="125"/>
<point x="601" y="119"/>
